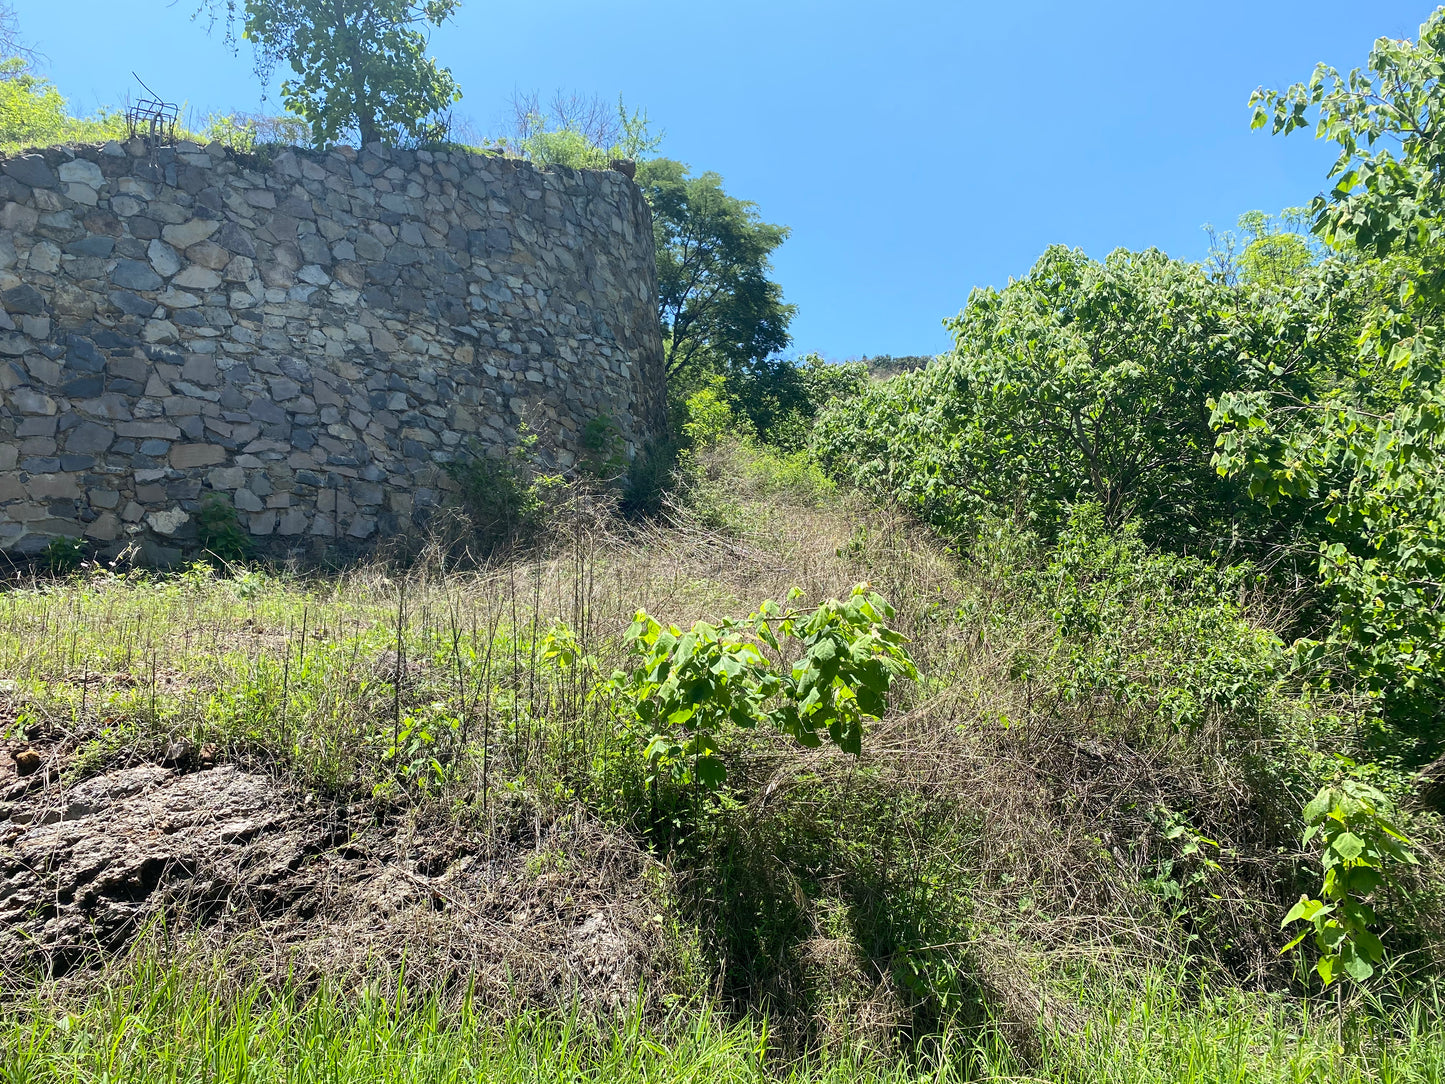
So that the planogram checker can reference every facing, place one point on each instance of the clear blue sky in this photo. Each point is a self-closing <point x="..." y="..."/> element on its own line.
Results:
<point x="916" y="148"/>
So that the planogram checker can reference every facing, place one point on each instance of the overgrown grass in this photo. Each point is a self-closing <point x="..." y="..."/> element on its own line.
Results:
<point x="1097" y="777"/>
<point x="158" y="1022"/>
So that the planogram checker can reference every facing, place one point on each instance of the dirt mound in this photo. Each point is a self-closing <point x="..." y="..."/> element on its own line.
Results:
<point x="555" y="912"/>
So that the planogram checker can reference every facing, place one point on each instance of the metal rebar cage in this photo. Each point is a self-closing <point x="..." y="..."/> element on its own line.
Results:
<point x="153" y="120"/>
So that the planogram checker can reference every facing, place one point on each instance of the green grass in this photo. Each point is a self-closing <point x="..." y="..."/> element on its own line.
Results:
<point x="160" y="1023"/>
<point x="998" y="877"/>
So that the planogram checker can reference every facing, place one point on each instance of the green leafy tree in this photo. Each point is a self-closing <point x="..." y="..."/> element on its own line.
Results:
<point x="1278" y="248"/>
<point x="360" y="65"/>
<point x="719" y="309"/>
<point x="1359" y="849"/>
<point x="1089" y="381"/>
<point x="1368" y="455"/>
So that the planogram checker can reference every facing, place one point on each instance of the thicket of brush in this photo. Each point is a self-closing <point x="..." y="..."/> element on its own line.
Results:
<point x="1164" y="544"/>
<point x="1075" y="833"/>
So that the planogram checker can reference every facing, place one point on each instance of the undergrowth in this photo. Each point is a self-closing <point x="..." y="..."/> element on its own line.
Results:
<point x="1097" y="776"/>
<point x="158" y="1022"/>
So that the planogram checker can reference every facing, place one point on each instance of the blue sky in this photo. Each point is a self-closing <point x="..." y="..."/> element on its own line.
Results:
<point x="917" y="149"/>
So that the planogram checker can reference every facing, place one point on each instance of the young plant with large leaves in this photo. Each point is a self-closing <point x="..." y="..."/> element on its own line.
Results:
<point x="810" y="675"/>
<point x="1360" y="850"/>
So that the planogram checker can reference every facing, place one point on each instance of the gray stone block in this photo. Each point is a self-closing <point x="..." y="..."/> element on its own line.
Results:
<point x="135" y="275"/>
<point x="31" y="169"/>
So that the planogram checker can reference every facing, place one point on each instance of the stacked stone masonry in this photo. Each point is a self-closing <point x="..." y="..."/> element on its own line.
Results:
<point x="313" y="337"/>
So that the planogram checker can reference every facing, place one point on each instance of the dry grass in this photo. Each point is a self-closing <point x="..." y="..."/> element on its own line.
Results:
<point x="997" y="845"/>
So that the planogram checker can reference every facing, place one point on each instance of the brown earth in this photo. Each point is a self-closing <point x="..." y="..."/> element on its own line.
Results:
<point x="228" y="858"/>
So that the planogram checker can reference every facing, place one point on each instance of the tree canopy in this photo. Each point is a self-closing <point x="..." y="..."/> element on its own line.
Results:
<point x="360" y="65"/>
<point x="719" y="309"/>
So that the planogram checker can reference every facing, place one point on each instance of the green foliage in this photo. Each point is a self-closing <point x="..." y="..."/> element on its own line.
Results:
<point x="649" y="478"/>
<point x="772" y="470"/>
<point x="686" y="686"/>
<point x="504" y="496"/>
<point x="579" y="132"/>
<point x="1277" y="249"/>
<point x="424" y="746"/>
<point x="1273" y="256"/>
<point x="32" y="111"/>
<point x="602" y="452"/>
<point x="1366" y="455"/>
<point x="1089" y="381"/>
<point x="884" y="366"/>
<point x="721" y="448"/>
<point x="1359" y="850"/>
<point x="156" y="1023"/>
<point x="220" y="531"/>
<point x="782" y="397"/>
<point x="245" y="132"/>
<point x="709" y="416"/>
<point x="719" y="310"/>
<point x="62" y="555"/>
<point x="565" y="147"/>
<point x="1160" y="634"/>
<point x="1387" y="121"/>
<point x="361" y="65"/>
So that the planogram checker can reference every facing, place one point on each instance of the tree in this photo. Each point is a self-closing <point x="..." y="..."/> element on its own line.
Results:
<point x="719" y="310"/>
<point x="361" y="64"/>
<point x="1088" y="381"/>
<point x="1276" y="249"/>
<point x="1369" y="456"/>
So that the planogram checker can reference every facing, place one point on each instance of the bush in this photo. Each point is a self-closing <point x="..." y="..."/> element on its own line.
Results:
<point x="32" y="111"/>
<point x="32" y="114"/>
<point x="220" y="532"/>
<point x="244" y="132"/>
<point x="1161" y="636"/>
<point x="1089" y="381"/>
<point x="504" y="497"/>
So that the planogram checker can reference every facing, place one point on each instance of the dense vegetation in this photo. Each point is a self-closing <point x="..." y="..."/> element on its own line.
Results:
<point x="1286" y="412"/>
<point x="983" y="717"/>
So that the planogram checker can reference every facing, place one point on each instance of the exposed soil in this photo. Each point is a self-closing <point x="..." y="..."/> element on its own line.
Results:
<point x="230" y="858"/>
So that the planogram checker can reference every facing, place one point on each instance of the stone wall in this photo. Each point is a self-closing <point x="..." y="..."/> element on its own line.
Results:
<point x="309" y="336"/>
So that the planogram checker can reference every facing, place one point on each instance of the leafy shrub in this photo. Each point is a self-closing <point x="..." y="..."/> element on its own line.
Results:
<point x="220" y="532"/>
<point x="781" y="397"/>
<point x="577" y="134"/>
<point x="505" y="497"/>
<point x="1359" y="850"/>
<point x="835" y="672"/>
<point x="62" y="555"/>
<point x="797" y="474"/>
<point x="1089" y="381"/>
<point x="602" y="456"/>
<point x="1154" y="632"/>
<point x="709" y="416"/>
<point x="32" y="111"/>
<point x="245" y="132"/>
